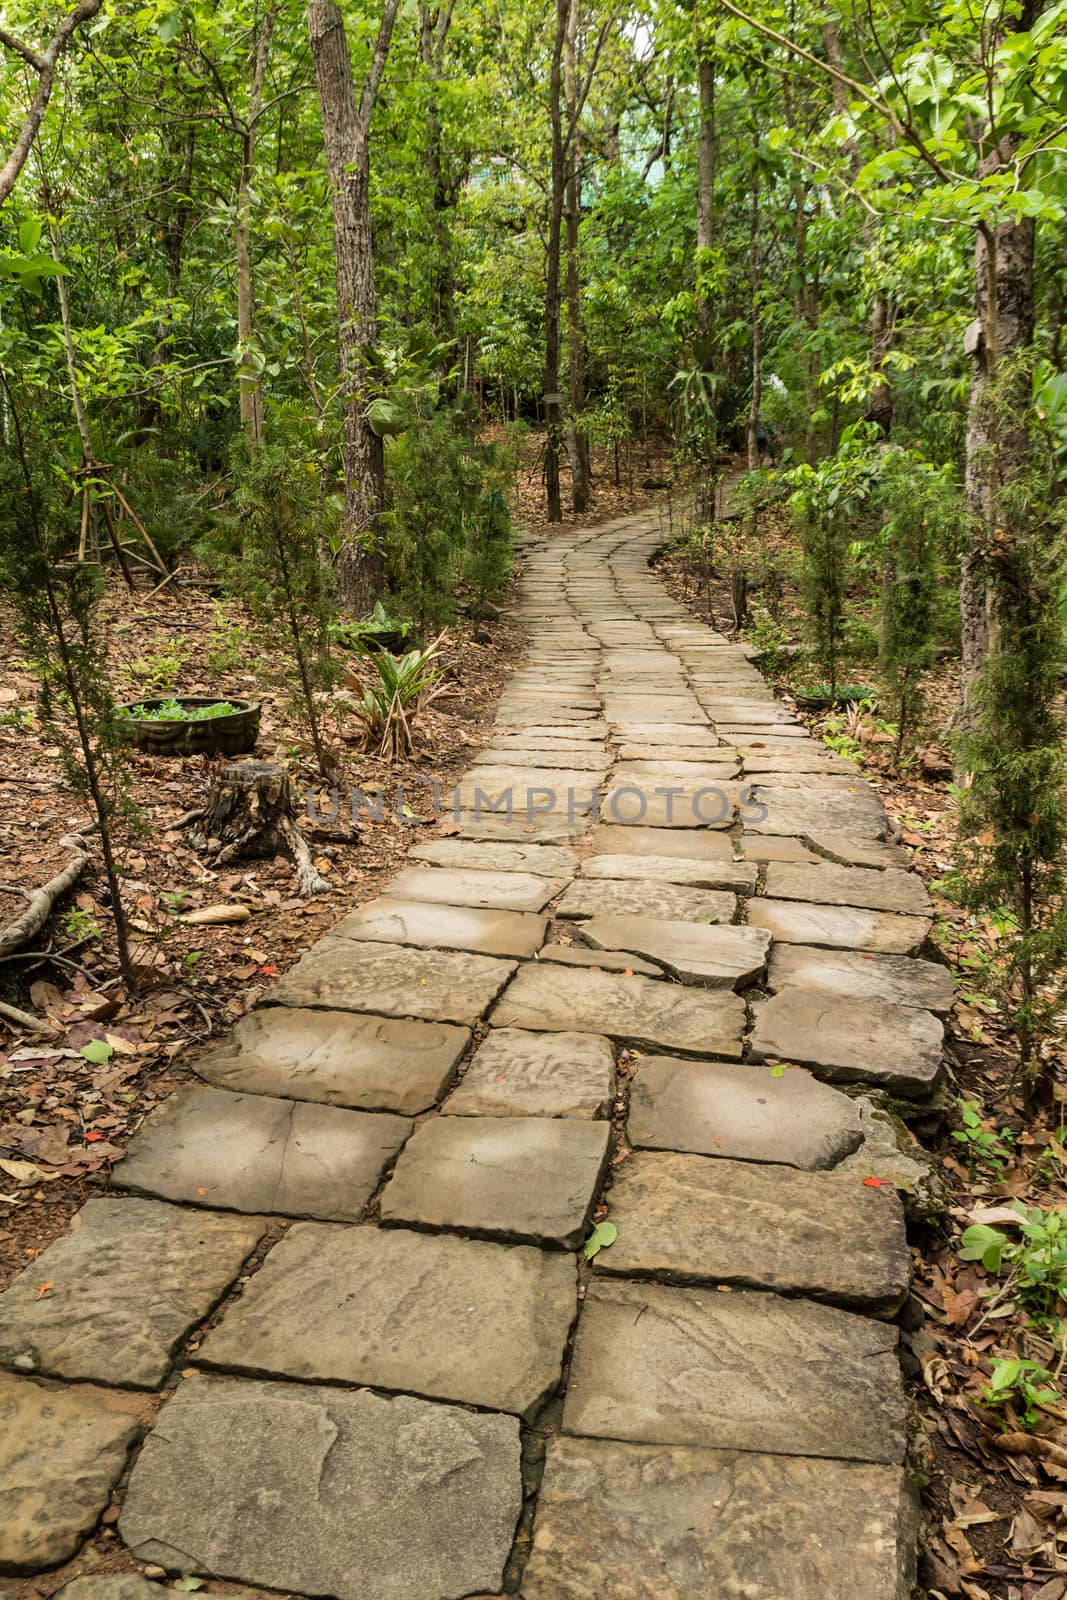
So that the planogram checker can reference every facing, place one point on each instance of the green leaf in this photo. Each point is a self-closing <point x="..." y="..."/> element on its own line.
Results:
<point x="170" y="27"/>
<point x="98" y="1051"/>
<point x="188" y="1584"/>
<point x="30" y="234"/>
<point x="602" y="1236"/>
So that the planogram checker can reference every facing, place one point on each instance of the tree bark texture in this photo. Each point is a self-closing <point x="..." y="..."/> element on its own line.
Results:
<point x="346" y="136"/>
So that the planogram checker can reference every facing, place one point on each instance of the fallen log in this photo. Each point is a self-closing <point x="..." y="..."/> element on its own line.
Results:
<point x="248" y="812"/>
<point x="41" y="902"/>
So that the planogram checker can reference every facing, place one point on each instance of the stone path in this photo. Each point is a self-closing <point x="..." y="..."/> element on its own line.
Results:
<point x="665" y="963"/>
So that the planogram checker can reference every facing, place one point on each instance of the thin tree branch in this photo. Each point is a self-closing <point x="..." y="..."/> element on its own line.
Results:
<point x="372" y="82"/>
<point x="45" y="67"/>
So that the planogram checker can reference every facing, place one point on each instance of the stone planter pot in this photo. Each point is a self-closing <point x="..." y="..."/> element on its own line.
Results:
<point x="233" y="734"/>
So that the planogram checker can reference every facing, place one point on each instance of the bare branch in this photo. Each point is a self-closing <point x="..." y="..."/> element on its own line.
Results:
<point x="373" y="80"/>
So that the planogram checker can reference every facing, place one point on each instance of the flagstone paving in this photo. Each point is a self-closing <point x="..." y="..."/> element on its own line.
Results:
<point x="647" y="830"/>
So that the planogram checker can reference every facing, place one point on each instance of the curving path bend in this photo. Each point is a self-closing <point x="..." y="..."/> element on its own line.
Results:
<point x="336" y="1311"/>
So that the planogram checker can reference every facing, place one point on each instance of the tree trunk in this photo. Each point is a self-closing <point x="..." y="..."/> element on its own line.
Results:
<point x="433" y="31"/>
<point x="248" y="813"/>
<point x="997" y="435"/>
<point x="250" y="395"/>
<point x="575" y="344"/>
<point x="346" y="135"/>
<point x="707" y="158"/>
<point x="752" y="429"/>
<point x="552" y="271"/>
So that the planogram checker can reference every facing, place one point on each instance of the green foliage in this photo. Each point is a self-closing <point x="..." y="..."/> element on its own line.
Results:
<point x="1022" y="1384"/>
<point x="1035" y="1262"/>
<point x="446" y="515"/>
<point x="268" y="546"/>
<point x="1013" y="837"/>
<point x="923" y="520"/>
<point x="602" y="1237"/>
<point x="175" y="711"/>
<point x="983" y="1145"/>
<point x="825" y="504"/>
<point x="393" y="692"/>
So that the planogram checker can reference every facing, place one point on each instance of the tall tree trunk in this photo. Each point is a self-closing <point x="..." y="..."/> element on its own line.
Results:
<point x="882" y="404"/>
<point x="250" y="394"/>
<point x="997" y="435"/>
<point x="552" y="270"/>
<point x="707" y="160"/>
<point x="578" y="443"/>
<point x="433" y="32"/>
<point x="346" y="136"/>
<point x="754" y="273"/>
<point x="808" y="311"/>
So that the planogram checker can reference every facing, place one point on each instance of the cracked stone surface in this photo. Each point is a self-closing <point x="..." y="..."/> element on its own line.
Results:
<point x="687" y="1219"/>
<point x="657" y="1364"/>
<point x="570" y="955"/>
<point x="456" y="886"/>
<point x="799" y="811"/>
<point x="520" y="1074"/>
<point x="532" y="1179"/>
<point x="436" y="985"/>
<point x="851" y="1041"/>
<point x="128" y="1282"/>
<point x="390" y="920"/>
<point x="609" y="897"/>
<point x="248" y="1152"/>
<point x="734" y="875"/>
<point x="717" y="1523"/>
<point x="61" y="1452"/>
<point x="320" y="1491"/>
<point x="705" y="806"/>
<point x="643" y="1011"/>
<point x="741" y="1112"/>
<point x="861" y="975"/>
<point x="425" y="1314"/>
<point x="712" y="956"/>
<point x="839" y="927"/>
<point x="889" y="889"/>
<point x="339" y="1058"/>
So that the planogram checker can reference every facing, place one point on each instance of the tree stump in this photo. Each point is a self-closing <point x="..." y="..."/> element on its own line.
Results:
<point x="248" y="812"/>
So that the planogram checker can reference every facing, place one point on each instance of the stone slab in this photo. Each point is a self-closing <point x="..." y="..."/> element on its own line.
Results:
<point x="339" y="1058"/>
<point x="693" y="844"/>
<point x="862" y="975"/>
<point x="418" y="1313"/>
<point x="546" y="861"/>
<point x="877" y="853"/>
<point x="648" y="773"/>
<point x="249" y="1152"/>
<point x="647" y="1012"/>
<point x="516" y="1073"/>
<point x="61" y="1453"/>
<point x="430" y="925"/>
<point x="709" y="806"/>
<point x="799" y="757"/>
<point x="634" y="897"/>
<point x="436" y="985"/>
<point x="826" y="883"/>
<point x="715" y="957"/>
<point x="572" y="955"/>
<point x="851" y="1041"/>
<point x="751" y="737"/>
<point x="743" y="1113"/>
<point x="733" y="875"/>
<point x="570" y="758"/>
<point x="521" y="829"/>
<point x="716" y="1523"/>
<point x="839" y="927"/>
<point x="323" y="1492"/>
<point x="774" y="847"/>
<point x="745" y="1371"/>
<point x="800" y="811"/>
<point x="127" y="1282"/>
<point x="688" y="1219"/>
<point x="454" y="886"/>
<point x="648" y="750"/>
<point x="531" y="1179"/>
